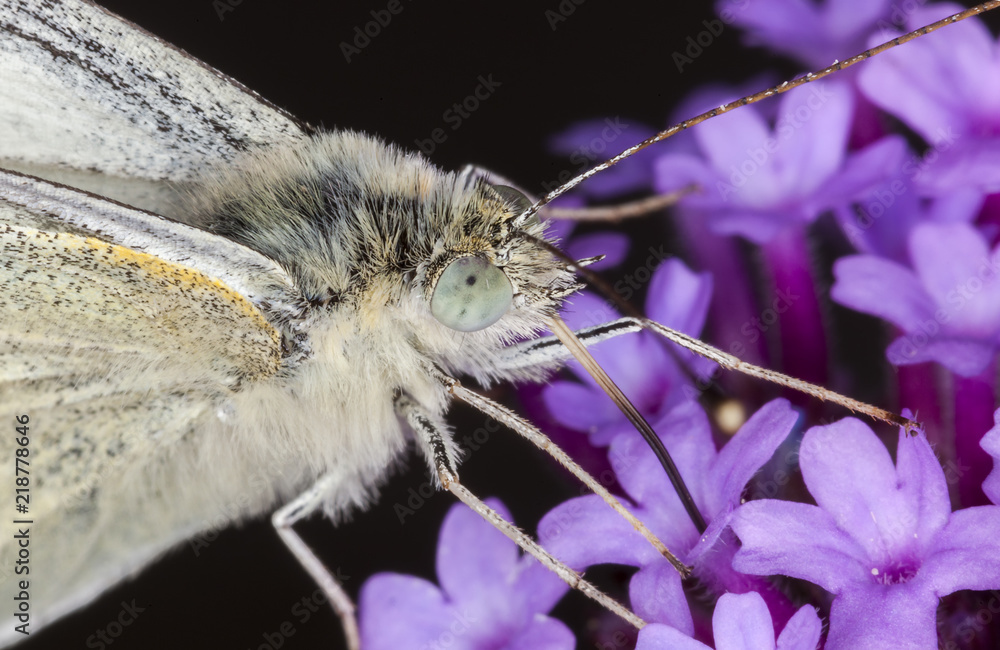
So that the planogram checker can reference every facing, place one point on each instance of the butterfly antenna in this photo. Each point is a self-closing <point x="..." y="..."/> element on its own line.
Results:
<point x="752" y="99"/>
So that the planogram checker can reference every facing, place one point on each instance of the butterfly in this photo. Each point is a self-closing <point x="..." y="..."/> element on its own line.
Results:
<point x="474" y="83"/>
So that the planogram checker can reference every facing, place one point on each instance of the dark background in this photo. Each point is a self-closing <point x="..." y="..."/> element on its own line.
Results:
<point x="605" y="59"/>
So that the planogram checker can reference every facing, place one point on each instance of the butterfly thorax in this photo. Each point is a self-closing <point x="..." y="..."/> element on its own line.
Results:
<point x="367" y="228"/>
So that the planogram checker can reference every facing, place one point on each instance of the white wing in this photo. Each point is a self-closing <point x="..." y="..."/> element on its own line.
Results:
<point x="90" y="100"/>
<point x="121" y="333"/>
<point x="121" y="336"/>
<point x="82" y="88"/>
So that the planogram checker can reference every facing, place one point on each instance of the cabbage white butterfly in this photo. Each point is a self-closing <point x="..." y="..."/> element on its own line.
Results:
<point x="492" y="83"/>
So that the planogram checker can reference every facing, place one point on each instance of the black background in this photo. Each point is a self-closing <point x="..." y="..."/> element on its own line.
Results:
<point x="606" y="59"/>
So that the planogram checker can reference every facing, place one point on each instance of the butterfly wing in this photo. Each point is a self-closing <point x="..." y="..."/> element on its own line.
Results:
<point x="93" y="101"/>
<point x="122" y="336"/>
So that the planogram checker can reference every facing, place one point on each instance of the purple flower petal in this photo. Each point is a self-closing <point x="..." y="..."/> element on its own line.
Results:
<point x="965" y="358"/>
<point x="821" y="119"/>
<point x="922" y="488"/>
<point x="882" y="538"/>
<point x="742" y="622"/>
<point x="657" y="595"/>
<point x="490" y="595"/>
<point x="948" y="90"/>
<point x="543" y="633"/>
<point x="798" y="540"/>
<point x="613" y="245"/>
<point x="885" y="208"/>
<point x="594" y="141"/>
<point x="679" y="297"/>
<point x="949" y="308"/>
<point x="850" y="474"/>
<point x="747" y="451"/>
<point x="576" y="406"/>
<point x="584" y="531"/>
<point x="767" y="179"/>
<point x="727" y="139"/>
<point x="663" y="637"/>
<point x="991" y="444"/>
<point x="939" y="83"/>
<point x="397" y="610"/>
<point x="959" y="271"/>
<point x="812" y="32"/>
<point x="731" y="470"/>
<point x="473" y="556"/>
<point x="686" y="433"/>
<point x="881" y="288"/>
<point x="802" y="631"/>
<point x="966" y="554"/>
<point x="873" y="617"/>
<point x="971" y="164"/>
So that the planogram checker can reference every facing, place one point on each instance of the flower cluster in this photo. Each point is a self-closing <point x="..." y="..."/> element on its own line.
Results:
<point x="868" y="201"/>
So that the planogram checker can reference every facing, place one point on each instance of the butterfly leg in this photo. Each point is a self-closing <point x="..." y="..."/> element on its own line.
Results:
<point x="530" y="432"/>
<point x="437" y="448"/>
<point x="301" y="507"/>
<point x="550" y="352"/>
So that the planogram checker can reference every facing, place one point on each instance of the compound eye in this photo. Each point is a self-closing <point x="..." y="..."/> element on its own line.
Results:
<point x="516" y="200"/>
<point x="513" y="197"/>
<point x="471" y="294"/>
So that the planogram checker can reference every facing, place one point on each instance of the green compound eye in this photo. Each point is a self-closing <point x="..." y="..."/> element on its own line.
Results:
<point x="471" y="294"/>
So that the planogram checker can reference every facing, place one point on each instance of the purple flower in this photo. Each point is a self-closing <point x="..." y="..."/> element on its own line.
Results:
<point x="757" y="180"/>
<point x="639" y="363"/>
<point x="740" y="622"/>
<point x="588" y="143"/>
<point x="948" y="305"/>
<point x="947" y="89"/>
<point x="817" y="33"/>
<point x="490" y="597"/>
<point x="882" y="539"/>
<point x="880" y="218"/>
<point x="991" y="444"/>
<point x="584" y="531"/>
